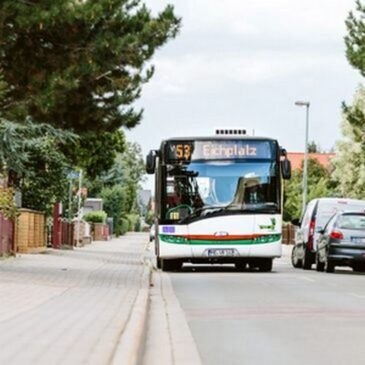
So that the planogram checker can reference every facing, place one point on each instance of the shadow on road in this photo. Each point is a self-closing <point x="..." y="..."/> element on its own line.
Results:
<point x="216" y="269"/>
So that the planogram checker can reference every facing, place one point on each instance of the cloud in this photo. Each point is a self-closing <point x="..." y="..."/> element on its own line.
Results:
<point x="309" y="19"/>
<point x="209" y="73"/>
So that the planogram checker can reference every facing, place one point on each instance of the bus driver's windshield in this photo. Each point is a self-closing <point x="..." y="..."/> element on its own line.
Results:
<point x="204" y="188"/>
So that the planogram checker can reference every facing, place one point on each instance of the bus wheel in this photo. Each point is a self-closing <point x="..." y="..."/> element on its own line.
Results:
<point x="265" y="265"/>
<point x="171" y="265"/>
<point x="241" y="265"/>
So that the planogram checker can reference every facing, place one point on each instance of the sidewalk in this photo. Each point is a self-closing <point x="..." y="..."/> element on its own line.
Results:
<point x="70" y="307"/>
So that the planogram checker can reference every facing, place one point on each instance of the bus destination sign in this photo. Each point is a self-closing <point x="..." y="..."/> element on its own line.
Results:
<point x="219" y="150"/>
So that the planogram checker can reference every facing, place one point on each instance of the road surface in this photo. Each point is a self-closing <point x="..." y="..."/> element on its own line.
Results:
<point x="289" y="316"/>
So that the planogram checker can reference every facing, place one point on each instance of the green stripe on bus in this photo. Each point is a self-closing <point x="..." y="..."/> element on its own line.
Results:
<point x="181" y="240"/>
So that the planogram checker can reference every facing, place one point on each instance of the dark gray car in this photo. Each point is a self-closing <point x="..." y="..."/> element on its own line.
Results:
<point x="342" y="242"/>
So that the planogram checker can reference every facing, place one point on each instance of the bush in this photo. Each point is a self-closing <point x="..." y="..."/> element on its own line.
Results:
<point x="114" y="199"/>
<point x="122" y="227"/>
<point x="95" y="217"/>
<point x="150" y="217"/>
<point x="134" y="222"/>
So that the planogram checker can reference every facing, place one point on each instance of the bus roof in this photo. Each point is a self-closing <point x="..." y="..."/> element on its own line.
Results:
<point x="219" y="137"/>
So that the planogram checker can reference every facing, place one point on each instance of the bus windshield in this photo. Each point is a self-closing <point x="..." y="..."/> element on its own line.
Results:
<point x="201" y="189"/>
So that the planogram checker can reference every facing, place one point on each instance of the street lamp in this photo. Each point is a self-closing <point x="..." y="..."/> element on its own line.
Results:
<point x="305" y="168"/>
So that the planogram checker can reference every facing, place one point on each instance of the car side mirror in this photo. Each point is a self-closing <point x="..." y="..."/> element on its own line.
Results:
<point x="151" y="162"/>
<point x="286" y="169"/>
<point x="321" y="231"/>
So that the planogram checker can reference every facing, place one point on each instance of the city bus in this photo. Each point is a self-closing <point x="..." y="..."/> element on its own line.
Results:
<point x="218" y="200"/>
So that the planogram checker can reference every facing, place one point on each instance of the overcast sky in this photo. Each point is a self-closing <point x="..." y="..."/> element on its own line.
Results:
<point x="244" y="63"/>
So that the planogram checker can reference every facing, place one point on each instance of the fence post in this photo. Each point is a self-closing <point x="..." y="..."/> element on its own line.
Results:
<point x="56" y="239"/>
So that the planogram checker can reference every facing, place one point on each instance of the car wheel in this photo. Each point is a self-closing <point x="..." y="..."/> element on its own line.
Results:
<point x="171" y="265"/>
<point x="294" y="259"/>
<point x="358" y="268"/>
<point x="265" y="265"/>
<point x="307" y="261"/>
<point x="241" y="265"/>
<point x="329" y="266"/>
<point x="319" y="264"/>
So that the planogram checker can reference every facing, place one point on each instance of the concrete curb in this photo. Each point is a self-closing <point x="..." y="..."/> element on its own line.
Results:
<point x="184" y="348"/>
<point x="130" y="345"/>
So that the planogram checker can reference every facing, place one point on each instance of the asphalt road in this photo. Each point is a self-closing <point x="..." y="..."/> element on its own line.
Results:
<point x="289" y="316"/>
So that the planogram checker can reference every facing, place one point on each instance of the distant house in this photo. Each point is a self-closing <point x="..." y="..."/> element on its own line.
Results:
<point x="297" y="158"/>
<point x="144" y="200"/>
<point x="93" y="204"/>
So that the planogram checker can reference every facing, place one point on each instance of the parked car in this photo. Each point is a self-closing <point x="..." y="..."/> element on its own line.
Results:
<point x="152" y="233"/>
<point x="316" y="216"/>
<point x="342" y="243"/>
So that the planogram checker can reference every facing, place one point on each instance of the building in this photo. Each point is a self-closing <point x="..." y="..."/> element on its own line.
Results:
<point x="297" y="158"/>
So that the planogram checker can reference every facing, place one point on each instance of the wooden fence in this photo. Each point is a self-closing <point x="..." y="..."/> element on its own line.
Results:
<point x="288" y="234"/>
<point x="30" y="232"/>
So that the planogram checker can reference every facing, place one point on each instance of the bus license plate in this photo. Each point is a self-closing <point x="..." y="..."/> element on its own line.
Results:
<point x="221" y="252"/>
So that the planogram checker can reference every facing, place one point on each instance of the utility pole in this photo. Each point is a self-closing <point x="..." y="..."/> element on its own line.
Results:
<point x="305" y="167"/>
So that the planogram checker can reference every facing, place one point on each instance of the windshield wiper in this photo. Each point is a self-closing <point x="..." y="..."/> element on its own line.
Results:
<point x="198" y="212"/>
<point x="212" y="210"/>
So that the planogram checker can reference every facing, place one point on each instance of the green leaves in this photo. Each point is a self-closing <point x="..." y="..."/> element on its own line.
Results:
<point x="319" y="185"/>
<point x="355" y="39"/>
<point x="80" y="64"/>
<point x="349" y="163"/>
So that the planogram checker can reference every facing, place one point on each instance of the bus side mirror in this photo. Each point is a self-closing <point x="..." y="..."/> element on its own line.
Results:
<point x="151" y="162"/>
<point x="286" y="169"/>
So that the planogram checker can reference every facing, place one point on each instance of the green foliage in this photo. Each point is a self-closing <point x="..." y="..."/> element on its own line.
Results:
<point x="95" y="153"/>
<point x="355" y="38"/>
<point x="319" y="185"/>
<point x="79" y="64"/>
<point x="150" y="217"/>
<point x="18" y="141"/>
<point x="314" y="147"/>
<point x="349" y="163"/>
<point x="127" y="171"/>
<point x="44" y="179"/>
<point x="7" y="204"/>
<point x="134" y="222"/>
<point x="123" y="226"/>
<point x="114" y="199"/>
<point x="95" y="217"/>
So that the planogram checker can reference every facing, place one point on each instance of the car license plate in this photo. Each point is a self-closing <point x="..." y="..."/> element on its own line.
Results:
<point x="221" y="252"/>
<point x="358" y="239"/>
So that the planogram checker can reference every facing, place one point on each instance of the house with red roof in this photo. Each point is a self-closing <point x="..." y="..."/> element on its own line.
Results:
<point x="297" y="158"/>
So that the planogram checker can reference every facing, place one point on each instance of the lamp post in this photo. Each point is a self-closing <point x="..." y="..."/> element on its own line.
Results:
<point x="305" y="168"/>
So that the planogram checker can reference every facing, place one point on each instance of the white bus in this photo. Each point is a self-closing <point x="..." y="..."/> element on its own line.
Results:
<point x="218" y="200"/>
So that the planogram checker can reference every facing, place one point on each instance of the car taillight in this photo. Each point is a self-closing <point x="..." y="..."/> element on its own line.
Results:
<point x="336" y="235"/>
<point x="311" y="235"/>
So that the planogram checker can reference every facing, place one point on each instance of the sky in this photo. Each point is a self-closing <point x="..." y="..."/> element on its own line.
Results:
<point x="243" y="63"/>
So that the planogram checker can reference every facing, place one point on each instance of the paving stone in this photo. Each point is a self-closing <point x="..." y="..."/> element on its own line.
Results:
<point x="69" y="307"/>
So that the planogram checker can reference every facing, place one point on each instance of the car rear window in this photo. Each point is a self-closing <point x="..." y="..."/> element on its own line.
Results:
<point x="351" y="221"/>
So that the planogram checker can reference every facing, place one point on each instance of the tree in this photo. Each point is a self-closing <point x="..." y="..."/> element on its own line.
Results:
<point x="45" y="182"/>
<point x="114" y="199"/>
<point x="349" y="163"/>
<point x="314" y="147"/>
<point x="355" y="38"/>
<point x="80" y="64"/>
<point x="319" y="185"/>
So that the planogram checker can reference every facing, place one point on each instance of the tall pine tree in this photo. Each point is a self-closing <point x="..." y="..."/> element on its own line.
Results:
<point x="80" y="65"/>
